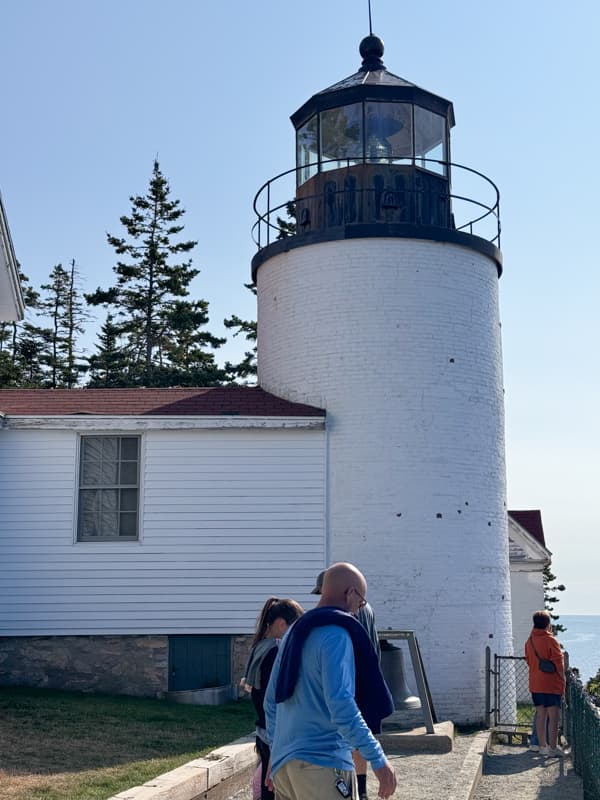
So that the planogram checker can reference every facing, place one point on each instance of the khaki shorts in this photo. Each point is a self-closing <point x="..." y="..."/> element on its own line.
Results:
<point x="301" y="780"/>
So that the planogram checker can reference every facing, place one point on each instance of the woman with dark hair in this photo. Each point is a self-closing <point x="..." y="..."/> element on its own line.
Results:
<point x="546" y="682"/>
<point x="273" y="621"/>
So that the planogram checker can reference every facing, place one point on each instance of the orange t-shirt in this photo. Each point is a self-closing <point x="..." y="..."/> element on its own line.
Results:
<point x="547" y="647"/>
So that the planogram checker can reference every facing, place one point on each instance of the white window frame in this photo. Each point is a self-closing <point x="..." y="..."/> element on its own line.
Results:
<point x="115" y="538"/>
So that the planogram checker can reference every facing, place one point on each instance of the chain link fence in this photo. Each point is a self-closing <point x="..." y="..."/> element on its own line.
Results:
<point x="582" y="727"/>
<point x="510" y="712"/>
<point x="509" y="701"/>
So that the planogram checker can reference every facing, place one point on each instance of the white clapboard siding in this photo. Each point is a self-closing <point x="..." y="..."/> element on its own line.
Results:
<point x="228" y="517"/>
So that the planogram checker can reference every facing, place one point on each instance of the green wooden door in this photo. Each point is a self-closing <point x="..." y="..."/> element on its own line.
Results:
<point x="197" y="662"/>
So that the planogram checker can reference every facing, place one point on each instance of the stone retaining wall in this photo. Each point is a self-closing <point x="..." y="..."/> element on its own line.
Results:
<point x="240" y="650"/>
<point x="131" y="665"/>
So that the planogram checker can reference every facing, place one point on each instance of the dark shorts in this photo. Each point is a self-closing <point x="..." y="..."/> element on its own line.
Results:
<point x="546" y="700"/>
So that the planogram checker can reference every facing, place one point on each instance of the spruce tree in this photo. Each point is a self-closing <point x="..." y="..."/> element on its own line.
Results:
<point x="62" y="305"/>
<point x="288" y="227"/>
<point x="51" y="305"/>
<point x="108" y="366"/>
<point x="247" y="367"/>
<point x="149" y="284"/>
<point x="32" y="352"/>
<point x="24" y="345"/>
<point x="184" y="356"/>
<point x="550" y="598"/>
<point x="75" y="317"/>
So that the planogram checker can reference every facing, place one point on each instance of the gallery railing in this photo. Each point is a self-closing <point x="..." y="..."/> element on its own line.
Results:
<point x="375" y="191"/>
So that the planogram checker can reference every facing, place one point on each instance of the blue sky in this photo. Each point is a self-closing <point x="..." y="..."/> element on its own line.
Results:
<point x="92" y="91"/>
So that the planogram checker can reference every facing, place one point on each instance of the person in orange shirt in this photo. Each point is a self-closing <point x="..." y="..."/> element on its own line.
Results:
<point x="547" y="687"/>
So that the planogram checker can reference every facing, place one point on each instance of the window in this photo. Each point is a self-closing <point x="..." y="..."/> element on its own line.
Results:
<point x="108" y="488"/>
<point x="307" y="154"/>
<point x="341" y="136"/>
<point x="388" y="131"/>
<point x="430" y="140"/>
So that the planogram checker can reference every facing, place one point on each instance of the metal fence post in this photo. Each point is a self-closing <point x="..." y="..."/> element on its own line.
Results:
<point x="488" y="687"/>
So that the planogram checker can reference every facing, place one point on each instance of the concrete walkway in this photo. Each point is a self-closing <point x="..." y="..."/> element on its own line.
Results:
<point x="509" y="773"/>
<point x="515" y="772"/>
<point x="432" y="776"/>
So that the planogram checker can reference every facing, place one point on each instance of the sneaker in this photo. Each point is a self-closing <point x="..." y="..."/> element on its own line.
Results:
<point x="556" y="752"/>
<point x="544" y="751"/>
<point x="535" y="748"/>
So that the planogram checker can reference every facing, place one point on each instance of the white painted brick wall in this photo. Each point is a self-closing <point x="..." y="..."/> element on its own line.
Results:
<point x="400" y="341"/>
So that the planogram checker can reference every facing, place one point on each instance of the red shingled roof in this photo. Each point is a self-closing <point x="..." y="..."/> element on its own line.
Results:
<point x="205" y="401"/>
<point x="531" y="521"/>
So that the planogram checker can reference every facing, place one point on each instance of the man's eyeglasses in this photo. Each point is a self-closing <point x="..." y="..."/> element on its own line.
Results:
<point x="363" y="600"/>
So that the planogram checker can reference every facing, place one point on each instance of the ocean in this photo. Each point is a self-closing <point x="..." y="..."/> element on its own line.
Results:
<point x="582" y="642"/>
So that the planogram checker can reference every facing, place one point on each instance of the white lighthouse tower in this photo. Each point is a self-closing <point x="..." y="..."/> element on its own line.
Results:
<point x="382" y="308"/>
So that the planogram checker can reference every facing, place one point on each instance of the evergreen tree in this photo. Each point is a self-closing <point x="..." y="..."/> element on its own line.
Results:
<point x="108" y="366"/>
<point x="23" y="345"/>
<point x="62" y="304"/>
<point x="550" y="598"/>
<point x="76" y="315"/>
<point x="51" y="305"/>
<point x="184" y="358"/>
<point x="32" y="356"/>
<point x="247" y="367"/>
<point x="147" y="286"/>
<point x="287" y="227"/>
<point x="593" y="688"/>
<point x="10" y="372"/>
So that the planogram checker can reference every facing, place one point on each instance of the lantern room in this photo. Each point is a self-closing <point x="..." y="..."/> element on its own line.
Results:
<point x="373" y="160"/>
<point x="373" y="148"/>
<point x="372" y="117"/>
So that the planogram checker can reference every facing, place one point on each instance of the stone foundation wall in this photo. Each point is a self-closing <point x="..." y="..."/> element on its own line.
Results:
<point x="240" y="650"/>
<point x="131" y="665"/>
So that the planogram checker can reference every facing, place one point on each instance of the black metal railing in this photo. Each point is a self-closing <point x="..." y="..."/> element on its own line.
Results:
<point x="582" y="723"/>
<point x="420" y="194"/>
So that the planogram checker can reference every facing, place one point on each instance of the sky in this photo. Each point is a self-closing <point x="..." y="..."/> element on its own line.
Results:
<point x="93" y="90"/>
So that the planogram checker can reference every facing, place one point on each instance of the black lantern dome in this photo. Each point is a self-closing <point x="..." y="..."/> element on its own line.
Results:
<point x="372" y="116"/>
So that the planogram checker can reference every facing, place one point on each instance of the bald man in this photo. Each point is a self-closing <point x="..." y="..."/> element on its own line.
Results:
<point x="313" y="719"/>
<point x="366" y="617"/>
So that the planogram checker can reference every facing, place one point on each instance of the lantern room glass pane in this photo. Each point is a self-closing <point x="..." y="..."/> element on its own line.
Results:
<point x="430" y="140"/>
<point x="307" y="150"/>
<point x="341" y="136"/>
<point x="388" y="132"/>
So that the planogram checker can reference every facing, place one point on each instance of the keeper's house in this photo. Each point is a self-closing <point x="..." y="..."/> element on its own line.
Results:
<point x="141" y="530"/>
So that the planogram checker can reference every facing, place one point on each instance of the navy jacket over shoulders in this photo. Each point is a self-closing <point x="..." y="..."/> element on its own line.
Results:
<point x="372" y="695"/>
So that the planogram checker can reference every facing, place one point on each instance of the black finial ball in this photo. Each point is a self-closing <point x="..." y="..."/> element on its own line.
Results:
<point x="371" y="48"/>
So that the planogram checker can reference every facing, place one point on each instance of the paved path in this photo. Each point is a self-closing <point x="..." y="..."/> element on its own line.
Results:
<point x="515" y="772"/>
<point x="432" y="776"/>
<point x="509" y="773"/>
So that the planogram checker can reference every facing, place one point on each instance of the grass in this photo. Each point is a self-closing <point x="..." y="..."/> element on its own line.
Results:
<point x="525" y="712"/>
<point x="70" y="746"/>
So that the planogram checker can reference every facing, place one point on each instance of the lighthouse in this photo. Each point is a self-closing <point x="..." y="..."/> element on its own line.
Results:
<point x="378" y="302"/>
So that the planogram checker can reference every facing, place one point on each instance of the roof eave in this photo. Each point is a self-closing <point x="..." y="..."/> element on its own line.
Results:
<point x="140" y="423"/>
<point x="7" y="254"/>
<point x="366" y="91"/>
